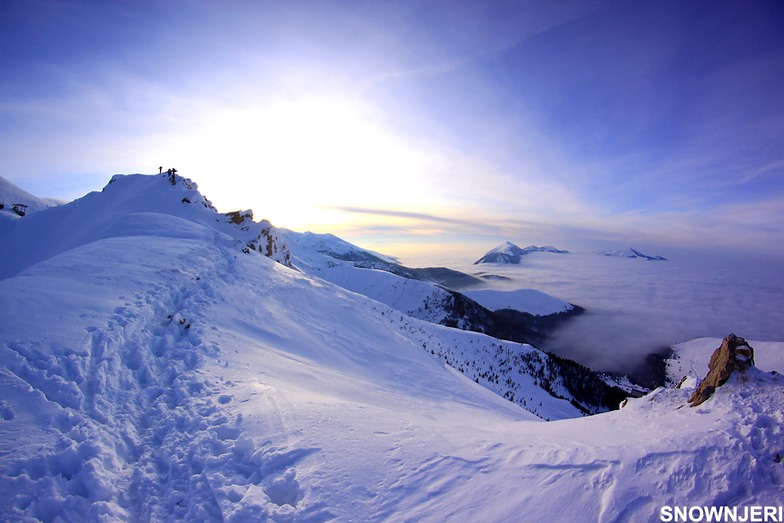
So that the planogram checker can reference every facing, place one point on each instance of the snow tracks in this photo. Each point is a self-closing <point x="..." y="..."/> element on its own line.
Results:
<point x="126" y="425"/>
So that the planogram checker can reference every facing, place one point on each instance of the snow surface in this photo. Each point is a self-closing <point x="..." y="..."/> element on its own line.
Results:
<point x="11" y="194"/>
<point x="509" y="253"/>
<point x="403" y="294"/>
<point x="631" y="253"/>
<point x="524" y="300"/>
<point x="153" y="371"/>
<point x="691" y="358"/>
<point x="314" y="252"/>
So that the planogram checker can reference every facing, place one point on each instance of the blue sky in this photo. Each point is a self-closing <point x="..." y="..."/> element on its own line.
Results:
<point x="433" y="128"/>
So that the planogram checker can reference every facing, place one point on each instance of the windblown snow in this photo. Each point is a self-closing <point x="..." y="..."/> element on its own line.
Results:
<point x="155" y="366"/>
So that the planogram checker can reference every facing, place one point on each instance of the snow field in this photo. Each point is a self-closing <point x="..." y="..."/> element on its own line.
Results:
<point x="691" y="358"/>
<point x="523" y="300"/>
<point x="155" y="372"/>
<point x="122" y="391"/>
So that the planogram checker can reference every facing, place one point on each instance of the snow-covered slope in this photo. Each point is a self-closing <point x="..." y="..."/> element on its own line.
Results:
<point x="11" y="195"/>
<point x="422" y="299"/>
<point x="131" y="205"/>
<point x="416" y="298"/>
<point x="526" y="316"/>
<point x="313" y="253"/>
<point x="508" y="252"/>
<point x="171" y="206"/>
<point x="370" y="274"/>
<point x="157" y="372"/>
<point x="523" y="300"/>
<point x="631" y="253"/>
<point x="319" y="251"/>
<point x="690" y="359"/>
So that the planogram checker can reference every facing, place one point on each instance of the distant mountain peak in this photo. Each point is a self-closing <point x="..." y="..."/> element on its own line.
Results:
<point x="17" y="202"/>
<point x="509" y="253"/>
<point x="631" y="253"/>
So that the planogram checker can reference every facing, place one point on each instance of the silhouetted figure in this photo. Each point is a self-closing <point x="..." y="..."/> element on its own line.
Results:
<point x="160" y="169"/>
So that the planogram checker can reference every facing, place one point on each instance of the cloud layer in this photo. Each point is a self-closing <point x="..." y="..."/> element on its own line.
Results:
<point x="635" y="307"/>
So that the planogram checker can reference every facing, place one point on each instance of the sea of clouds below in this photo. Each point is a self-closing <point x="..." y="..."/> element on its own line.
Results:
<point x="635" y="307"/>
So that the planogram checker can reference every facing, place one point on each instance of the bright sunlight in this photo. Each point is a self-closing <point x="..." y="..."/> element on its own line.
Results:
<point x="301" y="160"/>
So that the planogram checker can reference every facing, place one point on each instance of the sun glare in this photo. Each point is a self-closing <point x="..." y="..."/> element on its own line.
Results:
<point x="298" y="162"/>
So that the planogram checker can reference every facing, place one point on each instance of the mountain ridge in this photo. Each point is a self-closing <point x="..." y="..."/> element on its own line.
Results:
<point x="11" y="196"/>
<point x="509" y="253"/>
<point x="630" y="252"/>
<point x="154" y="367"/>
<point x="171" y="205"/>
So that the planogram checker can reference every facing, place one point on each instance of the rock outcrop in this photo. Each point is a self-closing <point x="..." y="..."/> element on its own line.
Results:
<point x="268" y="243"/>
<point x="734" y="354"/>
<point x="239" y="217"/>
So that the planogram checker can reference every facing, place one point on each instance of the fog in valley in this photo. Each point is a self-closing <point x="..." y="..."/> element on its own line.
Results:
<point x="635" y="307"/>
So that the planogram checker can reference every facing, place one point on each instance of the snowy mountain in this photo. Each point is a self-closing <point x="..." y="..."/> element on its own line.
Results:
<point x="631" y="253"/>
<point x="524" y="300"/>
<point x="134" y="205"/>
<point x="508" y="252"/>
<point x="15" y="202"/>
<point x="526" y="315"/>
<point x="156" y="365"/>
<point x="316" y="252"/>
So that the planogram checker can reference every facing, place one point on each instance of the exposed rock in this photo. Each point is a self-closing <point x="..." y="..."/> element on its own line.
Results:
<point x="269" y="244"/>
<point x="734" y="354"/>
<point x="239" y="217"/>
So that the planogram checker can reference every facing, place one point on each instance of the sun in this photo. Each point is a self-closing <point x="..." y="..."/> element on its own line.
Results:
<point x="298" y="161"/>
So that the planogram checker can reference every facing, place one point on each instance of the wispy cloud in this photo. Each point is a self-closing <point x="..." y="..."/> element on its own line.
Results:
<point x="489" y="121"/>
<point x="397" y="214"/>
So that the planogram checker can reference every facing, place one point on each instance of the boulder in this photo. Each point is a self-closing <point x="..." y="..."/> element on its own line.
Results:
<point x="734" y="354"/>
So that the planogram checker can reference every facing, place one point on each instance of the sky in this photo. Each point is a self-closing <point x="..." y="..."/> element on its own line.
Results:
<point x="422" y="129"/>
